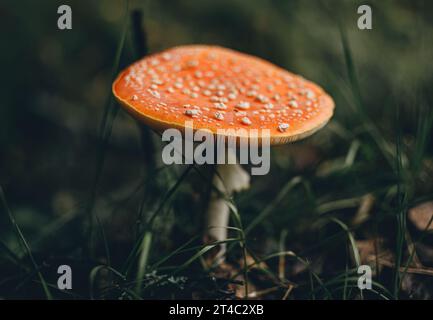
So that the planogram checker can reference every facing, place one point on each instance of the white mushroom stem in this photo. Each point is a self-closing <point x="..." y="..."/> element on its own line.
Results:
<point x="228" y="179"/>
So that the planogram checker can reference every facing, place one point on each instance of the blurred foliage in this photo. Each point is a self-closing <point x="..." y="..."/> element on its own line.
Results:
<point x="54" y="87"/>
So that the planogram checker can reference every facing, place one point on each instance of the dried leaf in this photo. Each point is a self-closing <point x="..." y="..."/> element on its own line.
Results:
<point x="422" y="215"/>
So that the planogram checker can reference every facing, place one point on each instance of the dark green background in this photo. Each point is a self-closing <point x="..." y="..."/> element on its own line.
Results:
<point x="55" y="85"/>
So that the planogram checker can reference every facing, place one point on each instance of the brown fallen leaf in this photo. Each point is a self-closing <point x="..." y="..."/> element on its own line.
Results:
<point x="251" y="263"/>
<point x="373" y="252"/>
<point x="370" y="248"/>
<point x="227" y="270"/>
<point x="425" y="253"/>
<point x="418" y="270"/>
<point x="421" y="216"/>
<point x="364" y="210"/>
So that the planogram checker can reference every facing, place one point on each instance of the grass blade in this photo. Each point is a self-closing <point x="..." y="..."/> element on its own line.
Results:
<point x="25" y="244"/>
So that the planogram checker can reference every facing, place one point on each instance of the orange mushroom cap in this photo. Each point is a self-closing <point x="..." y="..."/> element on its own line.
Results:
<point x="219" y="88"/>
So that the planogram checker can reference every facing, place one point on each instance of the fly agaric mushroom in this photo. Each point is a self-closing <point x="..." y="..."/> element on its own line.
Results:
<point x="220" y="88"/>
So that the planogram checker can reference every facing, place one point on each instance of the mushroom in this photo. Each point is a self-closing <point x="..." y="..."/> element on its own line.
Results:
<point x="219" y="88"/>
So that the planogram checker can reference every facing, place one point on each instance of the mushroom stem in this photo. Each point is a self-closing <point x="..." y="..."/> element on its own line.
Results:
<point x="228" y="178"/>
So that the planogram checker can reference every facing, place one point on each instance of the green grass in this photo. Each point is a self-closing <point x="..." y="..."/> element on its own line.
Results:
<point x="292" y="234"/>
